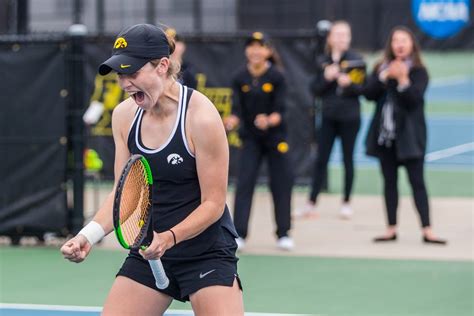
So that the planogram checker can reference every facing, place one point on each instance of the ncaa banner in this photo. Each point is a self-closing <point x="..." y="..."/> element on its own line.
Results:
<point x="441" y="19"/>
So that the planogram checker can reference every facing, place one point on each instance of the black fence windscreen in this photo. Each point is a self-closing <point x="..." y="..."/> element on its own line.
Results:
<point x="32" y="138"/>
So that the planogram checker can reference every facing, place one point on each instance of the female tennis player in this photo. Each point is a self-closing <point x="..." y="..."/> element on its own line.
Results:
<point x="181" y="134"/>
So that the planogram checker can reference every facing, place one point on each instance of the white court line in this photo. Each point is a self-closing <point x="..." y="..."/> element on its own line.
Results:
<point x="449" y="152"/>
<point x="65" y="308"/>
<point x="69" y="308"/>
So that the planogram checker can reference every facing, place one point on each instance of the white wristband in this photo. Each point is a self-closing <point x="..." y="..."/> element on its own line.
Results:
<point x="93" y="232"/>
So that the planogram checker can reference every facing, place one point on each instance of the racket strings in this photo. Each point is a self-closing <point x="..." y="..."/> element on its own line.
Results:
<point x="134" y="204"/>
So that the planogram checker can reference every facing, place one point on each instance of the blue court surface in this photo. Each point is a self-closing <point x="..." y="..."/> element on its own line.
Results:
<point x="450" y="143"/>
<point x="58" y="310"/>
<point x="449" y="90"/>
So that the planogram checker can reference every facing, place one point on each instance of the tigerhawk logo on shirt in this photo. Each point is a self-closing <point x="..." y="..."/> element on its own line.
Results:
<point x="174" y="159"/>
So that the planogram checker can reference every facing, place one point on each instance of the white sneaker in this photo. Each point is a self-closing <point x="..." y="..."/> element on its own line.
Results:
<point x="306" y="211"/>
<point x="240" y="243"/>
<point x="285" y="243"/>
<point x="346" y="211"/>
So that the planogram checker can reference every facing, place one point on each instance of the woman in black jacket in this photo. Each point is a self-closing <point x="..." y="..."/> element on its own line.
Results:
<point x="338" y="82"/>
<point x="397" y="134"/>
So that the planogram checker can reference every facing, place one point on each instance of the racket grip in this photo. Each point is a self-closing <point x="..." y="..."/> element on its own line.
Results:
<point x="161" y="279"/>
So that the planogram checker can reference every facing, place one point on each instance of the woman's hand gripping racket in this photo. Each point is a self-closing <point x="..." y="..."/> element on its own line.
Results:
<point x="132" y="211"/>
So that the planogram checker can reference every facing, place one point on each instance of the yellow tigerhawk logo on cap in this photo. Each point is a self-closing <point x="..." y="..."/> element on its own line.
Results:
<point x="283" y="147"/>
<point x="120" y="42"/>
<point x="267" y="87"/>
<point x="257" y="35"/>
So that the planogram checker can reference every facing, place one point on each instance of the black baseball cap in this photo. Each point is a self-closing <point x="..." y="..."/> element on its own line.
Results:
<point x="257" y="37"/>
<point x="134" y="47"/>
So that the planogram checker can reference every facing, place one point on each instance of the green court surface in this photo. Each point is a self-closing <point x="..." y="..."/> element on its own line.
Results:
<point x="449" y="64"/>
<point x="272" y="284"/>
<point x="433" y="108"/>
<point x="368" y="181"/>
<point x="440" y="182"/>
<point x="456" y="107"/>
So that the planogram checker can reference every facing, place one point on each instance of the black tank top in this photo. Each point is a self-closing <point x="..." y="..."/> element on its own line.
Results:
<point x="176" y="191"/>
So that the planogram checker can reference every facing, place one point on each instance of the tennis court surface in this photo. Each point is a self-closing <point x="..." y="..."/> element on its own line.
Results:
<point x="273" y="285"/>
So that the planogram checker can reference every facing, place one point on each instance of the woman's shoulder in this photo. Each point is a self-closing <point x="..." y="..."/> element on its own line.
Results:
<point x="126" y="107"/>
<point x="202" y="113"/>
<point x="199" y="104"/>
<point x="124" y="113"/>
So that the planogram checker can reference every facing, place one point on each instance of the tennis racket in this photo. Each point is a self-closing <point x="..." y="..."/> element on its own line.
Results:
<point x="132" y="211"/>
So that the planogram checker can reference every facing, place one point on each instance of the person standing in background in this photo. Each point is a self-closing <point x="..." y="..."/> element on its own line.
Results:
<point x="397" y="134"/>
<point x="338" y="83"/>
<point x="187" y="75"/>
<point x="259" y="92"/>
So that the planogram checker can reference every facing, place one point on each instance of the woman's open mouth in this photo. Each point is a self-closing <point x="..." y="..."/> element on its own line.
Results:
<point x="138" y="96"/>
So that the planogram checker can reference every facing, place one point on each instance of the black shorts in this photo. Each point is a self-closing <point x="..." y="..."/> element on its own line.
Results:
<point x="217" y="266"/>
